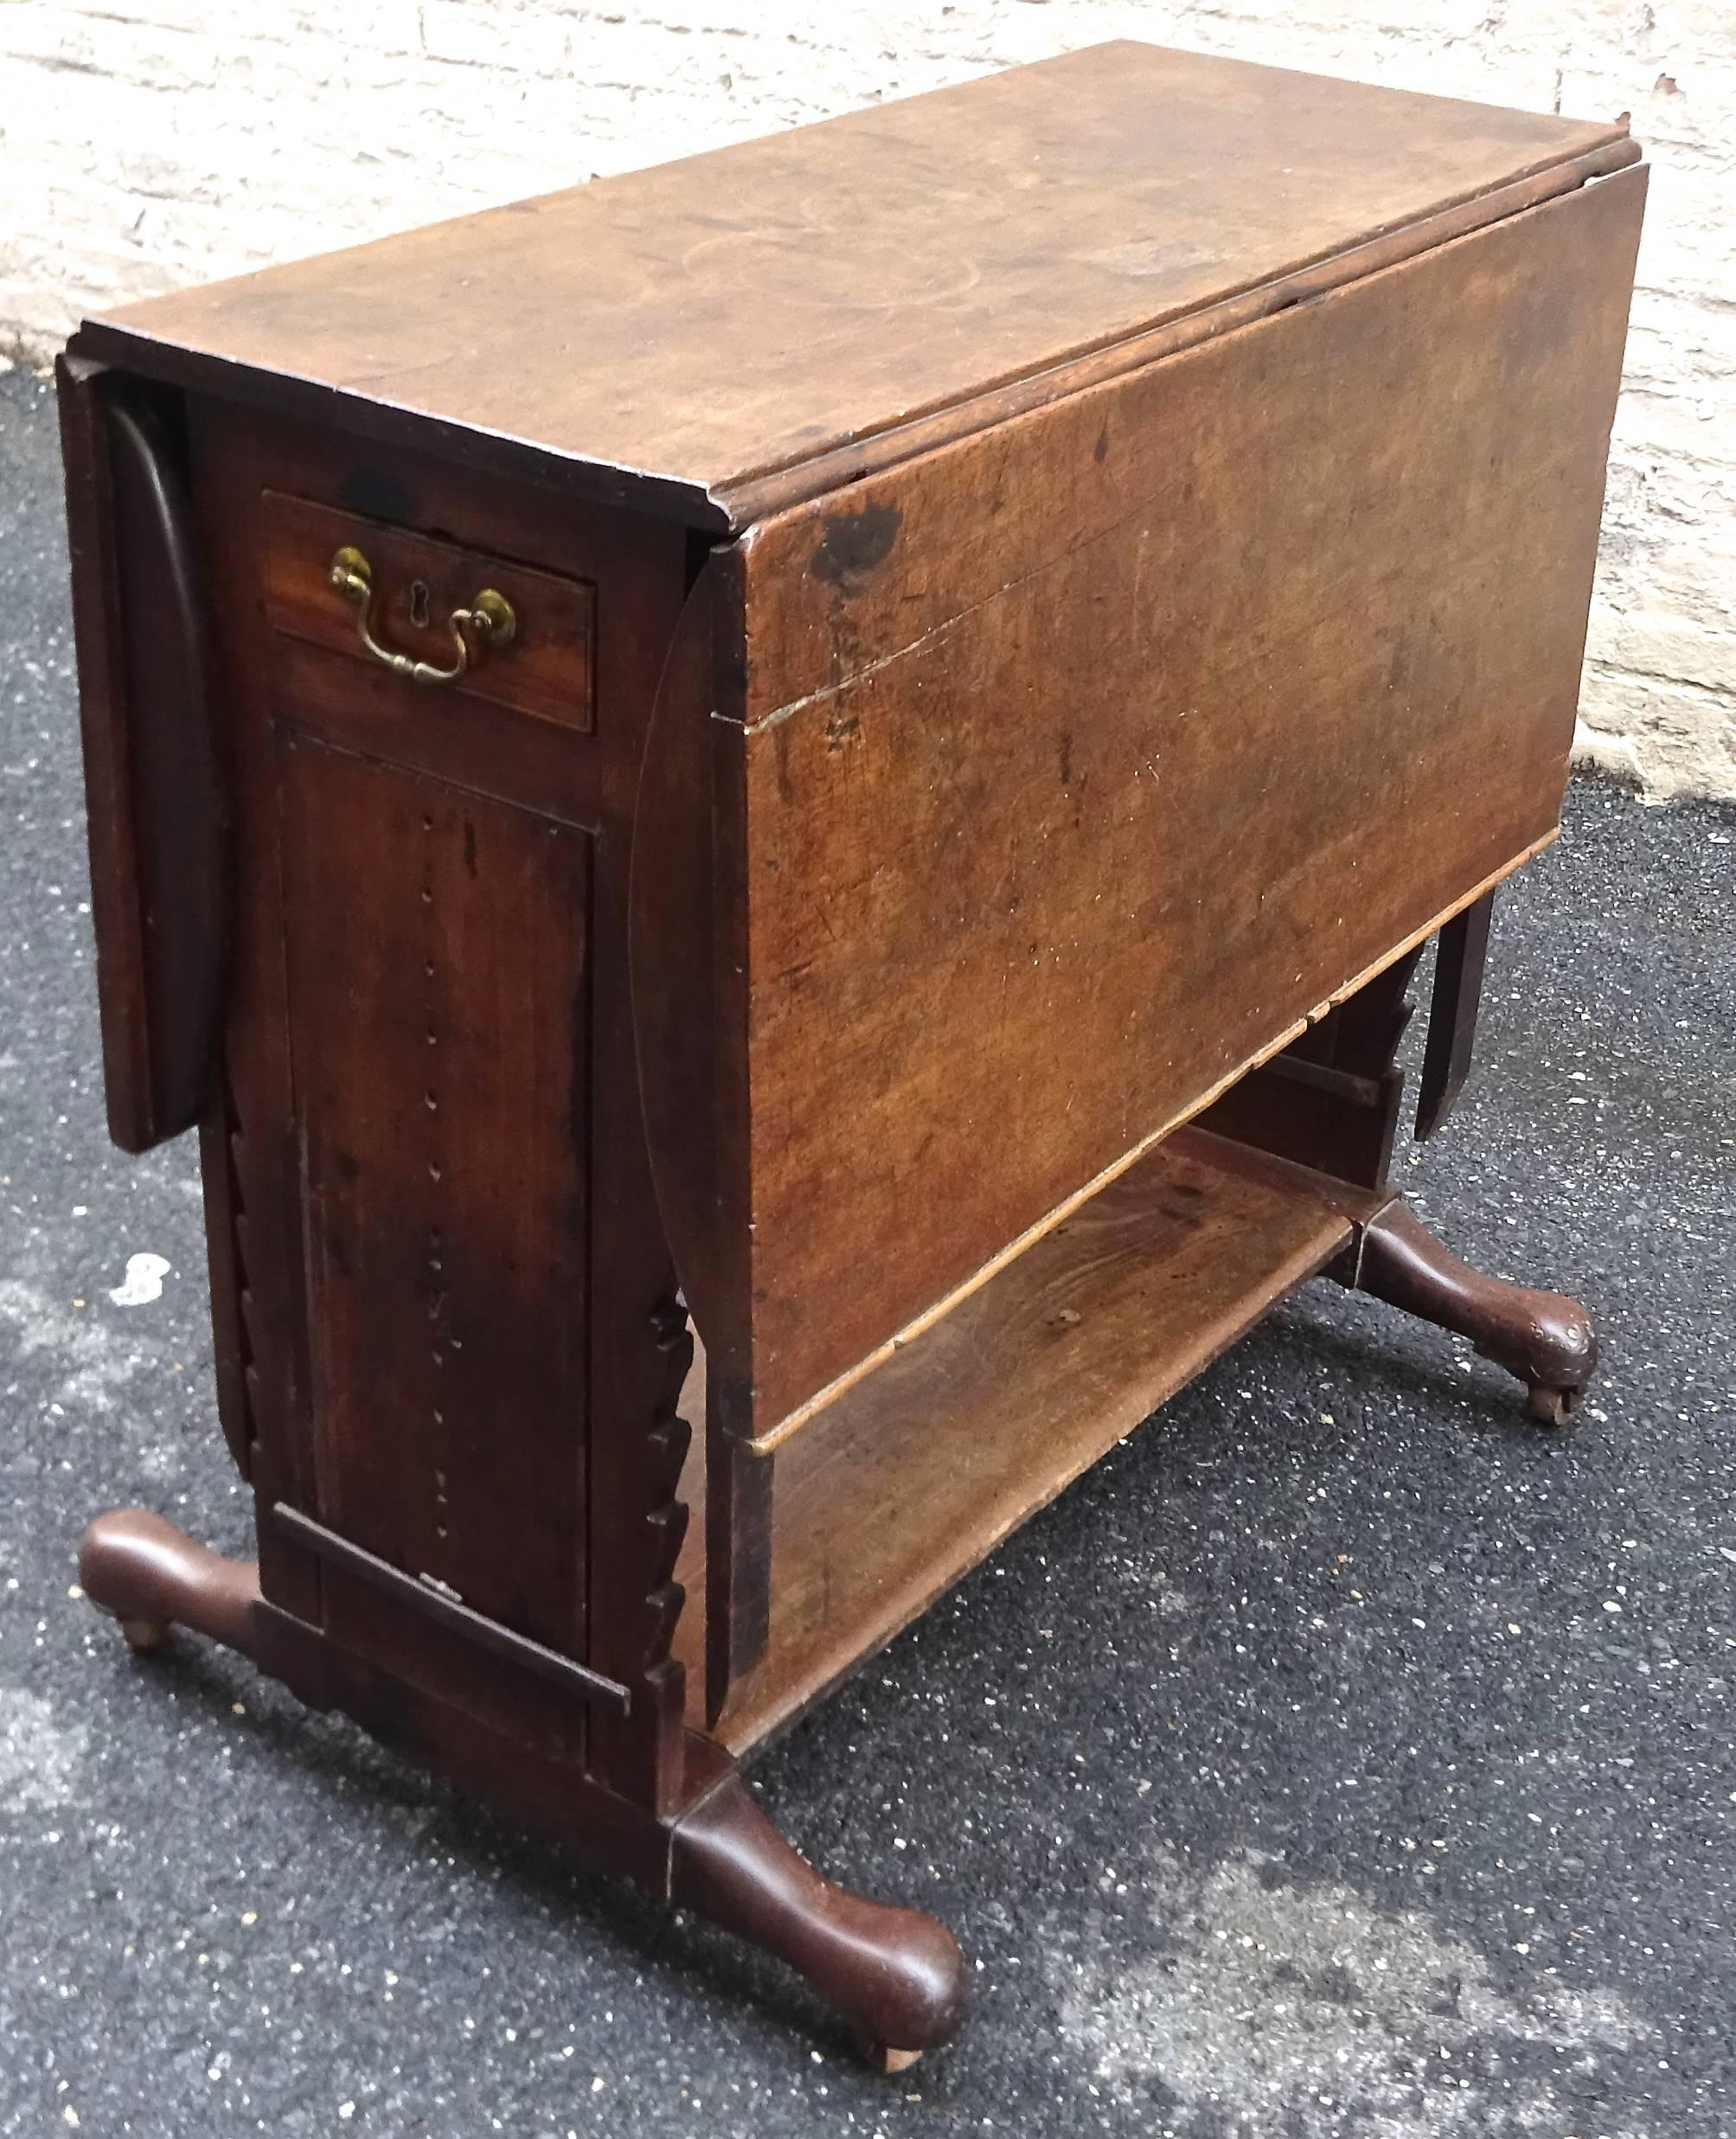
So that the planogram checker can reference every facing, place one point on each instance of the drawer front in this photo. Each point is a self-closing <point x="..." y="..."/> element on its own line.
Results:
<point x="544" y="669"/>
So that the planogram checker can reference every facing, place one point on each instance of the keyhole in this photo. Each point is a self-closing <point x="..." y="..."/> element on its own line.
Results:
<point x="418" y="603"/>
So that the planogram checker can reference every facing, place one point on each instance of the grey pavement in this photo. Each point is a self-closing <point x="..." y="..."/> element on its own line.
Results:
<point x="1341" y="1756"/>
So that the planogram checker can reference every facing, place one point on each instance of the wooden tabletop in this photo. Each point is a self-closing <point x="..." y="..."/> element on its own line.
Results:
<point x="713" y="321"/>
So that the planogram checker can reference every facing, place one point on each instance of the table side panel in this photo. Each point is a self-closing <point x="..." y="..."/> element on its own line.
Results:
<point x="1083" y="759"/>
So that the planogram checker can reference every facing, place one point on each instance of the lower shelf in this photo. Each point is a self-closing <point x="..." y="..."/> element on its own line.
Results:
<point x="885" y="1499"/>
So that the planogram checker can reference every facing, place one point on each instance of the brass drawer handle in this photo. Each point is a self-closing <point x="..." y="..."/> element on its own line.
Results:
<point x="489" y="619"/>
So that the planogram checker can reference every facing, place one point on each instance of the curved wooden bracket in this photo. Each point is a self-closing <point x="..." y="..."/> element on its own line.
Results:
<point x="159" y="815"/>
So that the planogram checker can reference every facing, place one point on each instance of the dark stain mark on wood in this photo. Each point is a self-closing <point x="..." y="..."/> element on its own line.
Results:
<point x="1064" y="753"/>
<point x="855" y="544"/>
<point x="1100" y="451"/>
<point x="841" y="730"/>
<point x="469" y="848"/>
<point x="378" y="496"/>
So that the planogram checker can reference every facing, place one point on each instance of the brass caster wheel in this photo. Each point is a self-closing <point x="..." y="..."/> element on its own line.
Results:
<point x="882" y="2058"/>
<point x="142" y="1635"/>
<point x="1551" y="1408"/>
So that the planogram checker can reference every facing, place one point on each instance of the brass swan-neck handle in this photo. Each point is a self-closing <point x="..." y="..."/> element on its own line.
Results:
<point x="489" y="621"/>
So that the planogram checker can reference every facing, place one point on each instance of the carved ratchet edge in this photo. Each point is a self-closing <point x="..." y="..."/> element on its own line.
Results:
<point x="635" y="1601"/>
<point x="667" y="1446"/>
<point x="222" y="1155"/>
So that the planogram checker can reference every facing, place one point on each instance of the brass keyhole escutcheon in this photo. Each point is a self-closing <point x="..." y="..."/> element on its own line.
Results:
<point x="489" y="622"/>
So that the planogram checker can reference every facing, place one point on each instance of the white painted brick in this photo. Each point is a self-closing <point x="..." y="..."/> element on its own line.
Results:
<point x="1670" y="738"/>
<point x="516" y="39"/>
<point x="149" y="144"/>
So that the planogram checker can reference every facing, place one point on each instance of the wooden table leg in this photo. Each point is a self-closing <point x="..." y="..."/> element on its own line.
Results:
<point x="896" y="1974"/>
<point x="143" y="1572"/>
<point x="1544" y="1338"/>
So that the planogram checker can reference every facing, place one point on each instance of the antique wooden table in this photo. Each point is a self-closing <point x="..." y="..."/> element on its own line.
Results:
<point x="847" y="747"/>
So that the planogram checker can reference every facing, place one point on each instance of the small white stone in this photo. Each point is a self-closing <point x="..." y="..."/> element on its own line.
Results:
<point x="143" y="1282"/>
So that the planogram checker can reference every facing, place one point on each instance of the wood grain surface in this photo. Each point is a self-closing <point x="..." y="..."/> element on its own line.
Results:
<point x="1170" y="490"/>
<point x="711" y="322"/>
<point x="1082" y="760"/>
<point x="446" y="1211"/>
<point x="922" y="1469"/>
<point x="389" y="829"/>
<point x="544" y="669"/>
<point x="158" y="796"/>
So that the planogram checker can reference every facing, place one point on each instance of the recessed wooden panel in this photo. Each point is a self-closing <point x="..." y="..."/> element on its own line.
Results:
<point x="544" y="669"/>
<point x="439" y="968"/>
<point x="1083" y="759"/>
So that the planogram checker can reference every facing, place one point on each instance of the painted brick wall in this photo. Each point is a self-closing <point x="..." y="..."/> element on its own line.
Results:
<point x="145" y="144"/>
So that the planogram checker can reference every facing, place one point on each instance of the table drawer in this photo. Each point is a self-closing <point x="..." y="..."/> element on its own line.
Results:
<point x="415" y="582"/>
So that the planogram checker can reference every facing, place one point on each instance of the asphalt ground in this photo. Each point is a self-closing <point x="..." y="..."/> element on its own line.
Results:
<point x="1342" y="1756"/>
